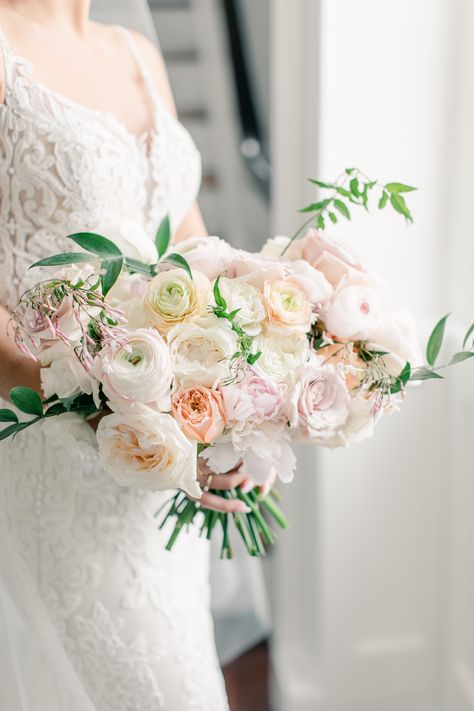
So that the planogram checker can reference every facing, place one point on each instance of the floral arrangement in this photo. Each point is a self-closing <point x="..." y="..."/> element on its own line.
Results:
<point x="215" y="353"/>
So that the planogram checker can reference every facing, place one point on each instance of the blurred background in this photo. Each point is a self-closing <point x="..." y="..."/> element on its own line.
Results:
<point x="372" y="588"/>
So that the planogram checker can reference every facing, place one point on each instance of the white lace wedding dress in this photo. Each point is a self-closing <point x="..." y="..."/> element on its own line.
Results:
<point x="94" y="614"/>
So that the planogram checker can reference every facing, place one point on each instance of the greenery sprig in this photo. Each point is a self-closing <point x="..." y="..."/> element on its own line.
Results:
<point x="111" y="258"/>
<point x="352" y="188"/>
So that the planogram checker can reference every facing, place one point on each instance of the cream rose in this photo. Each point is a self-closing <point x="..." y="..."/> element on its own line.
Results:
<point x="354" y="313"/>
<point x="201" y="351"/>
<point x="146" y="449"/>
<point x="282" y="355"/>
<point x="173" y="297"/>
<point x="136" y="370"/>
<point x="199" y="412"/>
<point x="287" y="304"/>
<point x="248" y="299"/>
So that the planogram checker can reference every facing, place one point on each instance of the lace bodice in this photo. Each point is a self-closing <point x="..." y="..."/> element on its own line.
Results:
<point x="91" y="584"/>
<point x="66" y="168"/>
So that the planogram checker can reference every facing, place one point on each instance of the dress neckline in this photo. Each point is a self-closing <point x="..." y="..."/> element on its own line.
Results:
<point x="144" y="139"/>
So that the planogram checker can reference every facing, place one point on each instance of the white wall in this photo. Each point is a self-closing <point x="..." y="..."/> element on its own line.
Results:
<point x="373" y="586"/>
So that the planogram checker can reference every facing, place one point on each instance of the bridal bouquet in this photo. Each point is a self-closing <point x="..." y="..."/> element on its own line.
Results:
<point x="217" y="353"/>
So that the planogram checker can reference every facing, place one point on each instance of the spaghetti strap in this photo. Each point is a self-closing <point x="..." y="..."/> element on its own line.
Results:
<point x="144" y="70"/>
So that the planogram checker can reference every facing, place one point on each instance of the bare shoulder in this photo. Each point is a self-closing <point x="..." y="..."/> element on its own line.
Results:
<point x="155" y="62"/>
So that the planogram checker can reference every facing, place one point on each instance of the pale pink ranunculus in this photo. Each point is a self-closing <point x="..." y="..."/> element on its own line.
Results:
<point x="287" y="304"/>
<point x="332" y="257"/>
<point x="208" y="255"/>
<point x="199" y="411"/>
<point x="322" y="402"/>
<point x="254" y="398"/>
<point x="354" y="312"/>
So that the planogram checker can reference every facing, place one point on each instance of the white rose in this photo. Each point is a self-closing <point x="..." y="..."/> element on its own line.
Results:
<point x="282" y="354"/>
<point x="248" y="299"/>
<point x="132" y="240"/>
<point x="66" y="377"/>
<point x="358" y="426"/>
<point x="354" y="312"/>
<point x="201" y="351"/>
<point x="146" y="449"/>
<point x="396" y="333"/>
<point x="126" y="295"/>
<point x="136" y="370"/>
<point x="209" y="255"/>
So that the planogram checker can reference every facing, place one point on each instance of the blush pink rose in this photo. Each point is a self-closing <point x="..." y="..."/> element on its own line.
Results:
<point x="332" y="257"/>
<point x="322" y="402"/>
<point x="254" y="398"/>
<point x="199" y="411"/>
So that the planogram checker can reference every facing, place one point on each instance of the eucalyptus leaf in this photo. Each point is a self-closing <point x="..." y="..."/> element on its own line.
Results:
<point x="8" y="415"/>
<point x="27" y="400"/>
<point x="64" y="258"/>
<point x="96" y="243"/>
<point x="112" y="267"/>
<point x="435" y="340"/>
<point x="163" y="236"/>
<point x="177" y="260"/>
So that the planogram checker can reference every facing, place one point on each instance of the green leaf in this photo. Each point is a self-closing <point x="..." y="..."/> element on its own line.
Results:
<point x="177" y="260"/>
<point x="435" y="341"/>
<point x="315" y="206"/>
<point x="332" y="217"/>
<point x="399" y="205"/>
<point x="56" y="409"/>
<point x="96" y="243"/>
<point x="383" y="200"/>
<point x="135" y="265"/>
<point x="112" y="267"/>
<point x="470" y="331"/>
<point x="320" y="184"/>
<point x="27" y="400"/>
<point x="425" y="374"/>
<point x="349" y="171"/>
<point x="344" y="192"/>
<point x="343" y="209"/>
<point x="63" y="258"/>
<point x="12" y="429"/>
<point x="253" y="357"/>
<point x="354" y="186"/>
<point x="402" y="379"/>
<point x="459" y="357"/>
<point x="320" y="224"/>
<point x="163" y="236"/>
<point x="218" y="298"/>
<point x="7" y="415"/>
<point x="399" y="188"/>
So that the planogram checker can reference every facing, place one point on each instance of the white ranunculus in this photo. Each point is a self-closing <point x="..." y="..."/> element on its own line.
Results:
<point x="126" y="295"/>
<point x="66" y="377"/>
<point x="201" y="351"/>
<point x="354" y="312"/>
<point x="146" y="449"/>
<point x="396" y="333"/>
<point x="136" y="370"/>
<point x="248" y="299"/>
<point x="283" y="354"/>
<point x="173" y="297"/>
<point x="208" y="255"/>
<point x="132" y="240"/>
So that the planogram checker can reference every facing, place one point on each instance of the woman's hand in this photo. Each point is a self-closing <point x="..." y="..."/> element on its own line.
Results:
<point x="230" y="480"/>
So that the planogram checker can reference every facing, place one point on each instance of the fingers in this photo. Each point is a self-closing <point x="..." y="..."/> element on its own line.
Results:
<point x="229" y="480"/>
<point x="217" y="503"/>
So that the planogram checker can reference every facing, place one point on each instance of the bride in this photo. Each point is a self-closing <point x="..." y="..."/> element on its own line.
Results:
<point x="94" y="614"/>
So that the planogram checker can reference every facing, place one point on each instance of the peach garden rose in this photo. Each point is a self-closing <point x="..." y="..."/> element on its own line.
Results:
<point x="200" y="413"/>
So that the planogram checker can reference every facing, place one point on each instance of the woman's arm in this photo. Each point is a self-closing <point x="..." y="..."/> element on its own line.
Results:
<point x="16" y="368"/>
